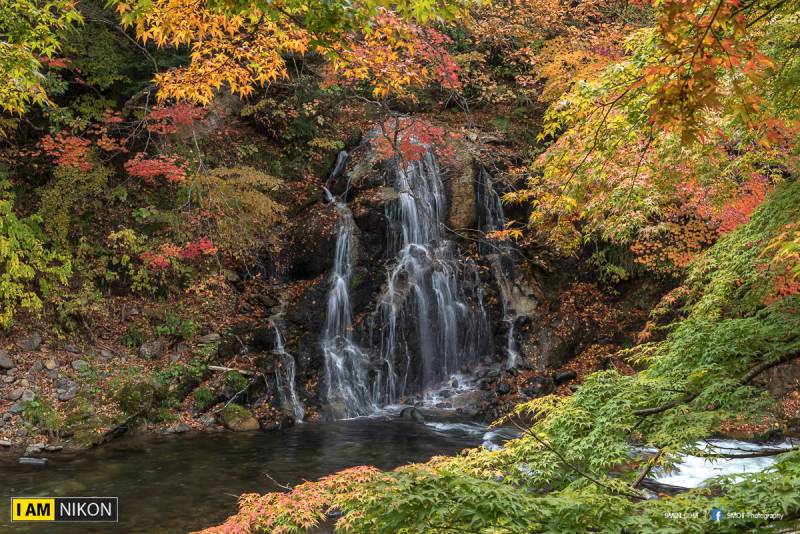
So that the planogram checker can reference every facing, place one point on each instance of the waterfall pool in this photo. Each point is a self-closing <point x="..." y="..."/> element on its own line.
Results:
<point x="178" y="483"/>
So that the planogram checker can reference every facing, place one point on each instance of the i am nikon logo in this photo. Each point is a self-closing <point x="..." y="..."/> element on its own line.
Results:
<point x="64" y="509"/>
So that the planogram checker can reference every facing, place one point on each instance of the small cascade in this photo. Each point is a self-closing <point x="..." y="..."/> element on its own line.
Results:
<point x="345" y="364"/>
<point x="338" y="168"/>
<point x="285" y="378"/>
<point x="430" y="319"/>
<point x="491" y="218"/>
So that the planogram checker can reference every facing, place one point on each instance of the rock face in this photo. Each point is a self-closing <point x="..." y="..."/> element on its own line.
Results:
<point x="460" y="182"/>
<point x="310" y="242"/>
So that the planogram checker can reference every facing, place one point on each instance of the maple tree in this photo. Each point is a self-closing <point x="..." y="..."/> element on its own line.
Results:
<point x="29" y="30"/>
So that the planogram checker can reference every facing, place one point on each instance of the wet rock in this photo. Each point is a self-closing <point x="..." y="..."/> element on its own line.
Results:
<point x="209" y="338"/>
<point x="238" y="419"/>
<point x="5" y="360"/>
<point x="52" y="448"/>
<point x="35" y="448"/>
<point x="80" y="365"/>
<point x="564" y="376"/>
<point x="443" y="405"/>
<point x="311" y="242"/>
<point x="538" y="386"/>
<point x="180" y="428"/>
<point x="50" y="364"/>
<point x="30" y="342"/>
<point x="152" y="349"/>
<point x="263" y="338"/>
<point x="413" y="414"/>
<point x="503" y="388"/>
<point x="15" y="394"/>
<point x="32" y="461"/>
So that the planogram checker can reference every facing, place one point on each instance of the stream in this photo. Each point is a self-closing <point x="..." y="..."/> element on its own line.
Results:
<point x="186" y="482"/>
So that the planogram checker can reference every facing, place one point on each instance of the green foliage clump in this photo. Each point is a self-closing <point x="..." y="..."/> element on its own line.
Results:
<point x="42" y="415"/>
<point x="68" y="196"/>
<point x="243" y="197"/>
<point x="235" y="381"/>
<point x="176" y="327"/>
<point x="203" y="398"/>
<point x="24" y="260"/>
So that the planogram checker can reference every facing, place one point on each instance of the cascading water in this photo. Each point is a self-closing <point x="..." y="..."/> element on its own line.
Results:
<point x="285" y="377"/>
<point x="430" y="319"/>
<point x="345" y="364"/>
<point x="491" y="218"/>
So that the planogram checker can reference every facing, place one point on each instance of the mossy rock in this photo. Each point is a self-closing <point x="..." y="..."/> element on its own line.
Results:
<point x="139" y="396"/>
<point x="238" y="419"/>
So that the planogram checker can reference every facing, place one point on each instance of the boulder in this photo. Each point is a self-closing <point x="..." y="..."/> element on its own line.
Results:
<point x="238" y="419"/>
<point x="30" y="342"/>
<point x="538" y="386"/>
<point x="5" y="360"/>
<point x="564" y="376"/>
<point x="15" y="394"/>
<point x="152" y="349"/>
<point x="209" y="338"/>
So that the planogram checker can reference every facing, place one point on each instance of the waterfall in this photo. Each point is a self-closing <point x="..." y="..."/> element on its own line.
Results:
<point x="345" y="364"/>
<point x="490" y="219"/>
<point x="430" y="319"/>
<point x="285" y="377"/>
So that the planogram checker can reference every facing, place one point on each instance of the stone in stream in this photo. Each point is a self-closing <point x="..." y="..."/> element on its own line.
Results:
<point x="30" y="342"/>
<point x="412" y="413"/>
<point x="5" y="360"/>
<point x="32" y="461"/>
<point x="238" y="419"/>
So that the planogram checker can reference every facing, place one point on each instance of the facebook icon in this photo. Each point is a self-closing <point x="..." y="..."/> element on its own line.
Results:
<point x="716" y="514"/>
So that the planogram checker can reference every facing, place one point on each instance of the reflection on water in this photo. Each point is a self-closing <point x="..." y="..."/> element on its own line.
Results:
<point x="179" y="483"/>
